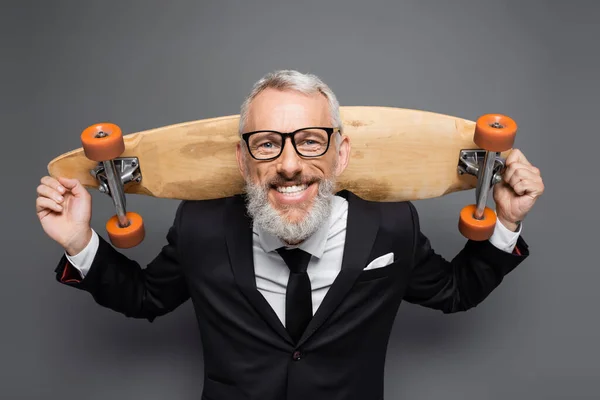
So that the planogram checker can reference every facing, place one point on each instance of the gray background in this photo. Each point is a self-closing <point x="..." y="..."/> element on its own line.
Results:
<point x="146" y="64"/>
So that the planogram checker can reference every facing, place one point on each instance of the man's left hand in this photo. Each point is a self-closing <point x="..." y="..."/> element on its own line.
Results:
<point x="518" y="191"/>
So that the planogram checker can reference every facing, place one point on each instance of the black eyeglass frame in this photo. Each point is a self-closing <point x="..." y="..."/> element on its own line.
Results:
<point x="330" y="131"/>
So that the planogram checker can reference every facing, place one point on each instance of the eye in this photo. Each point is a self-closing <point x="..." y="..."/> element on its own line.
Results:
<point x="310" y="143"/>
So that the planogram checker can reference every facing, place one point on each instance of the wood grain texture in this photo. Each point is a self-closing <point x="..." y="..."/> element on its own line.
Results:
<point x="397" y="154"/>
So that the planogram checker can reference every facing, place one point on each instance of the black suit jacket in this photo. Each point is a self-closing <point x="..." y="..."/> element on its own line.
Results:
<point x="248" y="354"/>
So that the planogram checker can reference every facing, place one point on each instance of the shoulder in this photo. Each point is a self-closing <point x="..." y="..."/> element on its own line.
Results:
<point x="388" y="209"/>
<point x="202" y="206"/>
<point x="398" y="222"/>
<point x="398" y="207"/>
<point x="209" y="212"/>
<point x="399" y="217"/>
<point x="395" y="216"/>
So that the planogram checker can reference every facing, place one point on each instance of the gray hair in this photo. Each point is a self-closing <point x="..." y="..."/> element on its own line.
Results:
<point x="293" y="80"/>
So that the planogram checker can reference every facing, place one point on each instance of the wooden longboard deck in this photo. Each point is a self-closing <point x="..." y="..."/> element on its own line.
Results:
<point x="397" y="154"/>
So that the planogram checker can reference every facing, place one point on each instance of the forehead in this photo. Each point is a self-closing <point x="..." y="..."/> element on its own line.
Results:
<point x="287" y="110"/>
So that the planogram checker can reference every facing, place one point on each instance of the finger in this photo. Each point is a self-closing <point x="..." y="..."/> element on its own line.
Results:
<point x="47" y="191"/>
<point x="517" y="156"/>
<point x="527" y="187"/>
<point x="523" y="175"/>
<point x="74" y="186"/>
<point x="53" y="183"/>
<point x="44" y="203"/>
<point x="513" y="168"/>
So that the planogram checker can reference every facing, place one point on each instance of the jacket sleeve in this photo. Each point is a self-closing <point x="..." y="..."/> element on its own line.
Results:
<point x="463" y="282"/>
<point x="120" y="284"/>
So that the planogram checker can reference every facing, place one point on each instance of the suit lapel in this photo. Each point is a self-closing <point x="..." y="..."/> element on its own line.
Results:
<point x="361" y="231"/>
<point x="239" y="245"/>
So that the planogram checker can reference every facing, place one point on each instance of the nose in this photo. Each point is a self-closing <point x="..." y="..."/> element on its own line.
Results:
<point x="289" y="163"/>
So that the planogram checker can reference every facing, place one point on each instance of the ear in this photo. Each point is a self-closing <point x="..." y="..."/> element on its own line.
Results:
<point x="343" y="155"/>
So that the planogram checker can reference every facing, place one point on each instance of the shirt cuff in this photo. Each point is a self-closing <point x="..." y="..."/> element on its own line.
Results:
<point x="505" y="239"/>
<point x="83" y="260"/>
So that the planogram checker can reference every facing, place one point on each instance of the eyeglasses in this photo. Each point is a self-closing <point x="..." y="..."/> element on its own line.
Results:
<point x="308" y="142"/>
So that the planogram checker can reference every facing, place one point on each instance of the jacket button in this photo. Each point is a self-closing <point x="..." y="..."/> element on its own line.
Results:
<point x="297" y="356"/>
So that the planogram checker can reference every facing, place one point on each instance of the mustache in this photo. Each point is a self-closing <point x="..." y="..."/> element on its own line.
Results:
<point x="298" y="180"/>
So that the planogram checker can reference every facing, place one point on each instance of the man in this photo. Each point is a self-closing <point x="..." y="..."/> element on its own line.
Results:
<point x="273" y="327"/>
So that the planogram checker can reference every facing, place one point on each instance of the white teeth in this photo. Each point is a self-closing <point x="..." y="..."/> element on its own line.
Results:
<point x="291" y="189"/>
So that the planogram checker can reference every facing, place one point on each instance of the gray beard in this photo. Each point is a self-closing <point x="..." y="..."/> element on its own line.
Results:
<point x="271" y="221"/>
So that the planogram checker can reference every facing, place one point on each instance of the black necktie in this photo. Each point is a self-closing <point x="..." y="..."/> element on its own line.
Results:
<point x="298" y="303"/>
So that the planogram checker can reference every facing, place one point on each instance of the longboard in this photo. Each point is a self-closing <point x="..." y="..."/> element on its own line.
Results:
<point x="397" y="154"/>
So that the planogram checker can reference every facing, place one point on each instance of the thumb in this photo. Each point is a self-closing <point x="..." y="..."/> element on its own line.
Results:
<point x="73" y="185"/>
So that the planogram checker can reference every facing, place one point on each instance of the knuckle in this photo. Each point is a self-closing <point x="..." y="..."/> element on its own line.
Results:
<point x="520" y="172"/>
<point x="42" y="189"/>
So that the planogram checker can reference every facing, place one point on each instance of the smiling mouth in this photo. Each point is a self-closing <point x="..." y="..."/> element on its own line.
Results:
<point x="291" y="190"/>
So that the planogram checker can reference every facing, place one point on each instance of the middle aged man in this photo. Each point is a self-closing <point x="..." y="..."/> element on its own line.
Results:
<point x="295" y="287"/>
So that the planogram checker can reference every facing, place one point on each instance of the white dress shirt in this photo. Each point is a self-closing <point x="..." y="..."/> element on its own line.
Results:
<point x="326" y="247"/>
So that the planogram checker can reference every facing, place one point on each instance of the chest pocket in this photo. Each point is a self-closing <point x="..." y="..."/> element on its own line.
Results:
<point x="377" y="273"/>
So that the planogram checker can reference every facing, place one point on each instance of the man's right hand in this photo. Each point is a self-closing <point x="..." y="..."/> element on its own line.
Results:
<point x="64" y="208"/>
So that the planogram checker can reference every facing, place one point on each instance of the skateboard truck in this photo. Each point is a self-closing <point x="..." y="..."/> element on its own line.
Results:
<point x="128" y="168"/>
<point x="104" y="143"/>
<point x="494" y="133"/>
<point x="112" y="176"/>
<point x="491" y="165"/>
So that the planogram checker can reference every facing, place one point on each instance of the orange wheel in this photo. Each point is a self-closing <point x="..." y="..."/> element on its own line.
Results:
<point x="495" y="132"/>
<point x="476" y="229"/>
<point x="129" y="236"/>
<point x="102" y="142"/>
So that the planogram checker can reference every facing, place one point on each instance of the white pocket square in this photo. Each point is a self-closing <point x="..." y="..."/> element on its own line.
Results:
<point x="382" y="261"/>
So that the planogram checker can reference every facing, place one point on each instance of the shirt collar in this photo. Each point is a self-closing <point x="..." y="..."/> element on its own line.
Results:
<point x="315" y="244"/>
